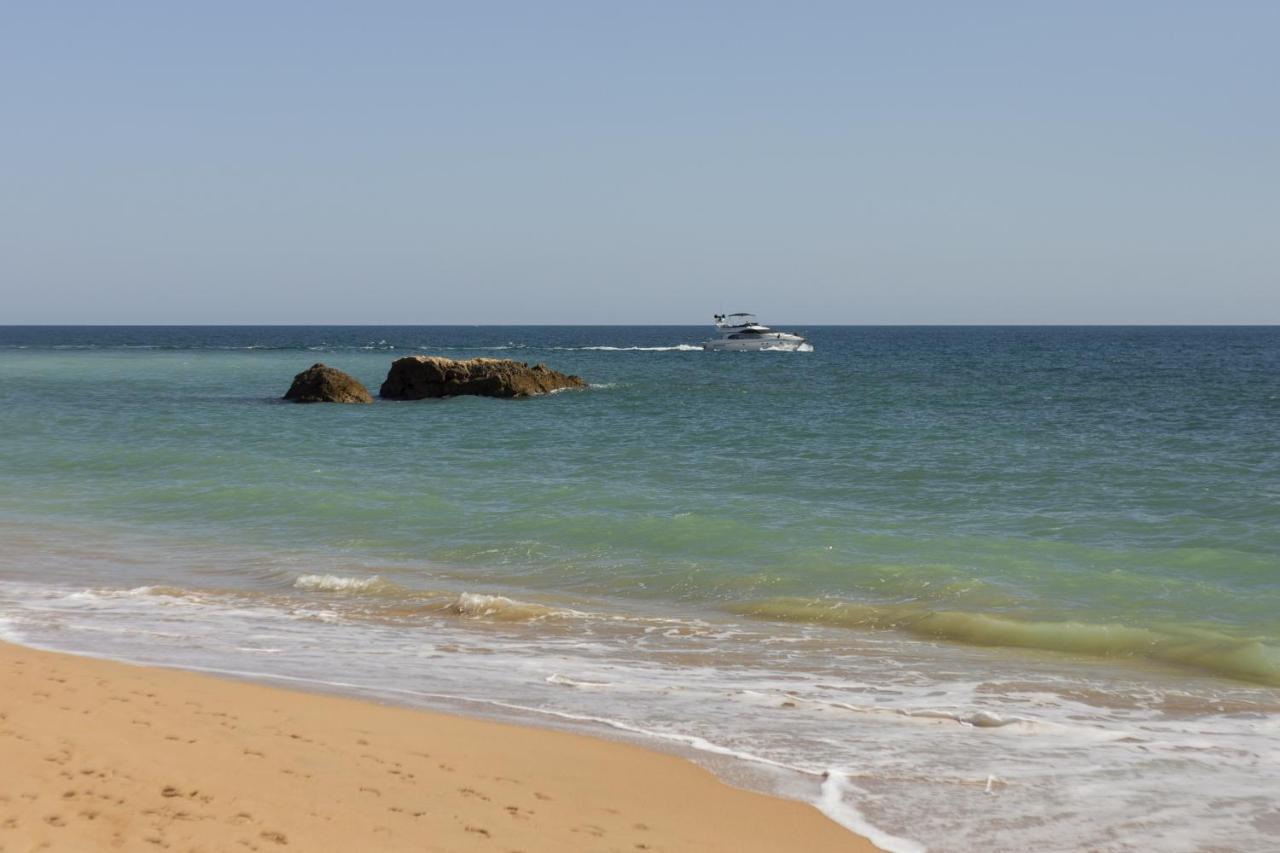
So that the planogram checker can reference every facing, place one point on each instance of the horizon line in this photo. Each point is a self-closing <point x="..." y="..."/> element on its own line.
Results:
<point x="1148" y="325"/>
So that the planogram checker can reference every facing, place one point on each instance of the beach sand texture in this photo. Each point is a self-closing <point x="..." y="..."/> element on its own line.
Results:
<point x="98" y="755"/>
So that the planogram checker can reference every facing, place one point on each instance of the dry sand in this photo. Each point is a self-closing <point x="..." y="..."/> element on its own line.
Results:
<point x="96" y="755"/>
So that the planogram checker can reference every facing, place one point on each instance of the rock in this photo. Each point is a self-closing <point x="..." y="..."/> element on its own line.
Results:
<point x="320" y="384"/>
<point x="420" y="376"/>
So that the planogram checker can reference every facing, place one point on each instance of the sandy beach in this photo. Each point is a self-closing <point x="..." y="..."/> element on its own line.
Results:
<point x="98" y="755"/>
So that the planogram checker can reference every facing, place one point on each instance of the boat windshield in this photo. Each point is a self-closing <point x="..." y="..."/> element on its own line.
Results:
<point x="735" y="320"/>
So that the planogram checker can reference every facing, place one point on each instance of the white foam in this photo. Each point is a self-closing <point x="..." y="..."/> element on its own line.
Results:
<point x="105" y="594"/>
<point x="319" y="616"/>
<point x="479" y="604"/>
<point x="977" y="719"/>
<point x="8" y="633"/>
<point x="675" y="348"/>
<point x="566" y="681"/>
<point x="336" y="583"/>
<point x="834" y="803"/>
<point x="157" y="594"/>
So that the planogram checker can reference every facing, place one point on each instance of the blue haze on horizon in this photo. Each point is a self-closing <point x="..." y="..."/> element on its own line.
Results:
<point x="639" y="163"/>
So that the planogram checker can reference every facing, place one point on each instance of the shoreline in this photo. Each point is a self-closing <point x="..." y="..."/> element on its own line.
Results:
<point x="101" y="754"/>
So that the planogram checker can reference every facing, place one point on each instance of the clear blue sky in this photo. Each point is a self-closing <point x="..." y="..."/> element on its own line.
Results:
<point x="611" y="162"/>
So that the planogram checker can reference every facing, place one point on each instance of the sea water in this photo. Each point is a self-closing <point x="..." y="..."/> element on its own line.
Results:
<point x="963" y="588"/>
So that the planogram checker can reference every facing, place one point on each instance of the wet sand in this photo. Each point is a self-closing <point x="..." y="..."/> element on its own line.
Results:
<point x="97" y="755"/>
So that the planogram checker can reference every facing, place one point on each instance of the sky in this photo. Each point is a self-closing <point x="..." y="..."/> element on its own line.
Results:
<point x="622" y="162"/>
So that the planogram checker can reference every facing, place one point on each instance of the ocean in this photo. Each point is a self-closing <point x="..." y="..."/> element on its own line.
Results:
<point x="964" y="588"/>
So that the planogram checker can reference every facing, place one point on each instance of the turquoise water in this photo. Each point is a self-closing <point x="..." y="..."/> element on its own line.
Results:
<point x="1093" y="509"/>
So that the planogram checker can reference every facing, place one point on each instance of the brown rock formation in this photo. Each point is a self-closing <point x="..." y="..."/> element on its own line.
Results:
<point x="420" y="376"/>
<point x="320" y="384"/>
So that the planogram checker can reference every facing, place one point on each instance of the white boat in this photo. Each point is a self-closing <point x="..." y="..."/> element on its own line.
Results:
<point x="742" y="333"/>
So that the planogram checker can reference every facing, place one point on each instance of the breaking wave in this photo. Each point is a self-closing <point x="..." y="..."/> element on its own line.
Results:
<point x="403" y="601"/>
<point x="499" y="607"/>
<point x="337" y="583"/>
<point x="1244" y="658"/>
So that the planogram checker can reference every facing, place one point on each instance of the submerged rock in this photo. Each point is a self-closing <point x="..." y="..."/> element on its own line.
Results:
<point x="421" y="376"/>
<point x="321" y="384"/>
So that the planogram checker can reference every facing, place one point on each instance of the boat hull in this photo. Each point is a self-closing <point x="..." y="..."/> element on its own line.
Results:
<point x="788" y="343"/>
